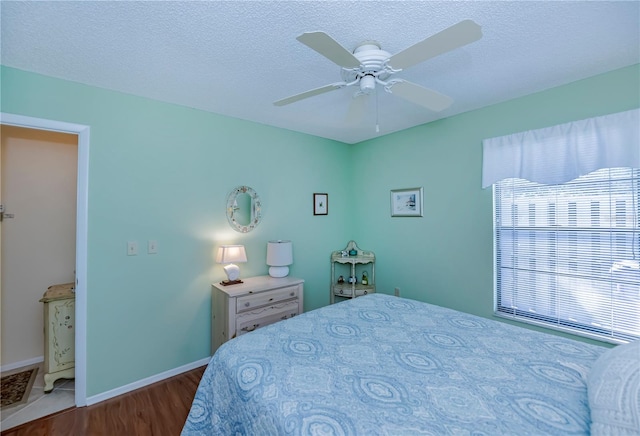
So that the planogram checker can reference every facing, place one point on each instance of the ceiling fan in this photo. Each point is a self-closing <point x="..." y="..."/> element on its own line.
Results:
<point x="369" y="65"/>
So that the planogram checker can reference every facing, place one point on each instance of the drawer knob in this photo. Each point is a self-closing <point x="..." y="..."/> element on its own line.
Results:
<point x="246" y="304"/>
<point x="292" y="294"/>
<point x="271" y="299"/>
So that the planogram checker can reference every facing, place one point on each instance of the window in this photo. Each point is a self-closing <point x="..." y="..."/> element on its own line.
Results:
<point x="568" y="255"/>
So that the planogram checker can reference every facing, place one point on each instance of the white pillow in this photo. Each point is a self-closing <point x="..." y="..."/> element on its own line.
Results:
<point x="613" y="385"/>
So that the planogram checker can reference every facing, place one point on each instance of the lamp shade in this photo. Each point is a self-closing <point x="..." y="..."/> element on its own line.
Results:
<point x="279" y="257"/>
<point x="231" y="254"/>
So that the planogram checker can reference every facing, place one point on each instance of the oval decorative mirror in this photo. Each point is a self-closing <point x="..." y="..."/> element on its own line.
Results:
<point x="243" y="209"/>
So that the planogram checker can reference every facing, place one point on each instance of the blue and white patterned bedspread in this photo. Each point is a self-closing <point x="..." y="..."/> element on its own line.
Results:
<point x="383" y="365"/>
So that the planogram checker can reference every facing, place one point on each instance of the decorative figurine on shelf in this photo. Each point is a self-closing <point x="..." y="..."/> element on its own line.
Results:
<point x="353" y="279"/>
<point x="343" y="253"/>
<point x="365" y="280"/>
<point x="353" y="252"/>
<point x="340" y="279"/>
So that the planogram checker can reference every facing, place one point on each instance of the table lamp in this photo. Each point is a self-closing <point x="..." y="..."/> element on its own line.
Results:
<point x="230" y="255"/>
<point x="279" y="257"/>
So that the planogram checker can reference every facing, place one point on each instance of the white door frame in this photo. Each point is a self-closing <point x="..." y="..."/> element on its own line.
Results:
<point x="82" y="194"/>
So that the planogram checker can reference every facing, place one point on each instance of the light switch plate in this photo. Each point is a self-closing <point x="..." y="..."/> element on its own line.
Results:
<point x="132" y="248"/>
<point x="152" y="247"/>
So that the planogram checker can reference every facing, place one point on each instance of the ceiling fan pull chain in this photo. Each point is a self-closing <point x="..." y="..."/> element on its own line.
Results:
<point x="377" y="125"/>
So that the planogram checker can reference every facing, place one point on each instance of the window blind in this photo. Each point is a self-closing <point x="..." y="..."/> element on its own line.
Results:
<point x="568" y="256"/>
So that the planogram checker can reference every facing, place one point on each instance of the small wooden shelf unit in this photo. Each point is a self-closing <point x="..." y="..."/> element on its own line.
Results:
<point x="351" y="268"/>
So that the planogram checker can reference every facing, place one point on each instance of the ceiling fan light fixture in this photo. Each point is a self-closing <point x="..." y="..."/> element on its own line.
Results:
<point x="367" y="83"/>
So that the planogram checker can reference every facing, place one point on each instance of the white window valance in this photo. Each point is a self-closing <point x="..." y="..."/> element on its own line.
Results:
<point x="564" y="152"/>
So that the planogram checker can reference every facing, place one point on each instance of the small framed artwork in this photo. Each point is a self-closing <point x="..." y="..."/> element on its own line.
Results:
<point x="320" y="204"/>
<point x="406" y="202"/>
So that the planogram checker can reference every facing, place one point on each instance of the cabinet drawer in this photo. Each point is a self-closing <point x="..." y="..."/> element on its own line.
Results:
<point x="249" y="321"/>
<point x="252" y="301"/>
<point x="344" y="291"/>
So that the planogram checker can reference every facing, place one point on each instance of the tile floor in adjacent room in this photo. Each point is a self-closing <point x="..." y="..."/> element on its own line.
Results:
<point x="40" y="404"/>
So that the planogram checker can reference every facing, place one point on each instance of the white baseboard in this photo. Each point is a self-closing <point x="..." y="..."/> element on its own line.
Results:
<point x="146" y="381"/>
<point x="12" y="366"/>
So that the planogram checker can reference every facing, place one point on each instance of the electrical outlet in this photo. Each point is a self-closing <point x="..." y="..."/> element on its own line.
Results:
<point x="396" y="292"/>
<point x="132" y="248"/>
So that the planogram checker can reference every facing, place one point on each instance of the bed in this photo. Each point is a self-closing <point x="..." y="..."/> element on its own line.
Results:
<point x="384" y="365"/>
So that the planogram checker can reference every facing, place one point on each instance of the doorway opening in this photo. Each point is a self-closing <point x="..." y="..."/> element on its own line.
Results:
<point x="81" y="218"/>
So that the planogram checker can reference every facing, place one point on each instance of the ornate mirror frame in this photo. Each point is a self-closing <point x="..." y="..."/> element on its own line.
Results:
<point x="232" y="208"/>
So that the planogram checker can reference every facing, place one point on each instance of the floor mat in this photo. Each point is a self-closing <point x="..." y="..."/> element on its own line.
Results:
<point x="16" y="387"/>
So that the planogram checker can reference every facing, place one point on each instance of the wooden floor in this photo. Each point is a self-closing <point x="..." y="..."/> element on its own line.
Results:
<point x="159" y="409"/>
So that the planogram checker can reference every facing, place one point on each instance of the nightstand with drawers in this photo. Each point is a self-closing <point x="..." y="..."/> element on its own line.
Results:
<point x="257" y="302"/>
<point x="59" y="334"/>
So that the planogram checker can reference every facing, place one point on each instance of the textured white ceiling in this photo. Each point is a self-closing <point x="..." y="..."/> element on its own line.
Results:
<point x="237" y="57"/>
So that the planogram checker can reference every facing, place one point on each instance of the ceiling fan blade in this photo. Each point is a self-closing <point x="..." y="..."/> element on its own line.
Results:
<point x="329" y="48"/>
<point x="357" y="108"/>
<point x="460" y="34"/>
<point x="310" y="93"/>
<point x="423" y="96"/>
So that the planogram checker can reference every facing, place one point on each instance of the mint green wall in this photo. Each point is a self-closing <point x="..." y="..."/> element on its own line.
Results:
<point x="446" y="257"/>
<point x="163" y="172"/>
